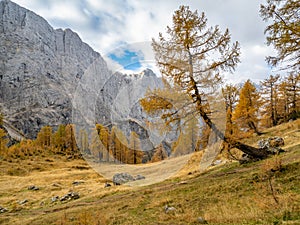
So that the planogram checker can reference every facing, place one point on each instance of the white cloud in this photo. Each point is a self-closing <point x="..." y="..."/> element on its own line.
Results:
<point x="105" y="25"/>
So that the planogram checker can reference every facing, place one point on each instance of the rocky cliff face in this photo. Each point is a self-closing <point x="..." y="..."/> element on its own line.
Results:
<point x="39" y="69"/>
<point x="47" y="76"/>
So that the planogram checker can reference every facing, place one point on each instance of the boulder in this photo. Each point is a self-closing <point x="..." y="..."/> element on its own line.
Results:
<point x="33" y="188"/>
<point x="54" y="198"/>
<point x="122" y="178"/>
<point x="22" y="202"/>
<point x="169" y="209"/>
<point x="77" y="182"/>
<point x="3" y="210"/>
<point x="139" y="177"/>
<point x="70" y="196"/>
<point x="272" y="144"/>
<point x="201" y="220"/>
<point x="106" y="185"/>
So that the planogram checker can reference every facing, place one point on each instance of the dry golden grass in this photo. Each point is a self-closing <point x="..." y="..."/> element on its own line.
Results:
<point x="225" y="194"/>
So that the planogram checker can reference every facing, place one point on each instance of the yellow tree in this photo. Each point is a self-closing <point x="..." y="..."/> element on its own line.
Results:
<point x="246" y="112"/>
<point x="283" y="102"/>
<point x="159" y="154"/>
<point x="283" y="32"/>
<point x="1" y="119"/>
<point x="293" y="94"/>
<point x="70" y="140"/>
<point x="3" y="142"/>
<point x="58" y="139"/>
<point x="44" y="136"/>
<point x="83" y="141"/>
<point x="104" y="134"/>
<point x="121" y="146"/>
<point x="269" y="89"/>
<point x="230" y="94"/>
<point x="113" y="143"/>
<point x="96" y="145"/>
<point x="192" y="57"/>
<point x="135" y="153"/>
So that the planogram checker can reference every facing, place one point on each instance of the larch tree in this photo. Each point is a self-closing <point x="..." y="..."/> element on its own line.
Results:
<point x="104" y="134"/>
<point x="247" y="110"/>
<point x="293" y="93"/>
<point x="283" y="102"/>
<point x="83" y="141"/>
<point x="230" y="94"/>
<point x="269" y="88"/>
<point x="1" y="119"/>
<point x="96" y="145"/>
<point x="121" y="146"/>
<point x="113" y="143"/>
<point x="3" y="142"/>
<point x="58" y="138"/>
<point x="70" y="140"/>
<point x="135" y="148"/>
<point x="44" y="137"/>
<point x="283" y="32"/>
<point x="192" y="57"/>
<point x="159" y="154"/>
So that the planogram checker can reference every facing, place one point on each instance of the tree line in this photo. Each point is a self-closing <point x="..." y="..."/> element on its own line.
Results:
<point x="276" y="101"/>
<point x="103" y="144"/>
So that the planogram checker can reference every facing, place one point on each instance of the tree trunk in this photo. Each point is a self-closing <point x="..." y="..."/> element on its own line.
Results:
<point x="251" y="151"/>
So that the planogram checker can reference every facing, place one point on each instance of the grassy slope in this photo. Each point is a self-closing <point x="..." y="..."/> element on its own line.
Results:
<point x="226" y="194"/>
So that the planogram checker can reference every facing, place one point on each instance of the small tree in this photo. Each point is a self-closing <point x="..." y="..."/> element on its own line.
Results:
<point x="293" y="93"/>
<point x="3" y="142"/>
<point x="44" y="137"/>
<point x="159" y="154"/>
<point x="230" y="94"/>
<point x="135" y="155"/>
<point x="246" y="112"/>
<point x="270" y="98"/>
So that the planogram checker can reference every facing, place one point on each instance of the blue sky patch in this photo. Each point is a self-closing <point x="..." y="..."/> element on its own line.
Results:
<point x="130" y="60"/>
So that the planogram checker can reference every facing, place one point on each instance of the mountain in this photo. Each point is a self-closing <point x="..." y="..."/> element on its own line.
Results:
<point x="50" y="77"/>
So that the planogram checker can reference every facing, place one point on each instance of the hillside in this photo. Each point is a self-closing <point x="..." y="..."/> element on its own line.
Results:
<point x="225" y="194"/>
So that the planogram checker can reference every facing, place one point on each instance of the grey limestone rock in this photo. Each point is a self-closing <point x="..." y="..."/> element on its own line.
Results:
<point x="122" y="178"/>
<point x="39" y="69"/>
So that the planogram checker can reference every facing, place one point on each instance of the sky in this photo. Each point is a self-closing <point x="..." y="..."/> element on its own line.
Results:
<point x="122" y="30"/>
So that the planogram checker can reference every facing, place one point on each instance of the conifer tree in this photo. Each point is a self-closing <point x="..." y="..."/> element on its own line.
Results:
<point x="246" y="112"/>
<point x="3" y="142"/>
<point x="58" y="138"/>
<point x="44" y="136"/>
<point x="70" y="140"/>
<point x="113" y="143"/>
<point x="83" y="141"/>
<point x="230" y="94"/>
<point x="135" y="149"/>
<point x="191" y="58"/>
<point x="159" y="154"/>
<point x="104" y="134"/>
<point x="96" y="145"/>
<point x="269" y="89"/>
<point x="283" y="32"/>
<point x="293" y="94"/>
